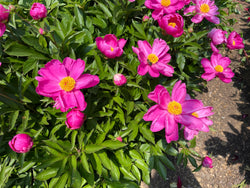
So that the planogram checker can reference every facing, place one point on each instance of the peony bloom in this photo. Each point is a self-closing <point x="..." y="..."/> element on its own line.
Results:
<point x="218" y="37"/>
<point x="119" y="79"/>
<point x="38" y="11"/>
<point x="171" y="110"/>
<point x="154" y="60"/>
<point x="21" y="143"/>
<point x="207" y="162"/>
<point x="41" y="31"/>
<point x="63" y="81"/>
<point x="218" y="66"/>
<point x="201" y="112"/>
<point x="110" y="46"/>
<point x="75" y="119"/>
<point x="119" y="138"/>
<point x="234" y="41"/>
<point x="203" y="9"/>
<point x="4" y="16"/>
<point x="172" y="24"/>
<point x="162" y="7"/>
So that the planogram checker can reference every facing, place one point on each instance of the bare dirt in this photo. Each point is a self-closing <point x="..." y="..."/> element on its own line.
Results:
<point x="229" y="142"/>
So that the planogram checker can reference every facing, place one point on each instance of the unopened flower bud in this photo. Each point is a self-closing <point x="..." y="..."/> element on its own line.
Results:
<point x="145" y="18"/>
<point x="21" y="143"/>
<point x="190" y="29"/>
<point x="75" y="119"/>
<point x="38" y="11"/>
<point x="119" y="138"/>
<point x="207" y="162"/>
<point x="41" y="31"/>
<point x="119" y="79"/>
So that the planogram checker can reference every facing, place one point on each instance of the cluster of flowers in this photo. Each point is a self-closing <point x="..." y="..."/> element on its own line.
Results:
<point x="63" y="81"/>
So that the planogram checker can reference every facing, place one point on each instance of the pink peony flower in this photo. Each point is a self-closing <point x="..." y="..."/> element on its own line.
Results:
<point x="21" y="143"/>
<point x="119" y="138"/>
<point x="110" y="46"/>
<point x="171" y="110"/>
<point x="75" y="119"/>
<point x="203" y="9"/>
<point x="172" y="24"/>
<point x="202" y="113"/>
<point x="145" y="18"/>
<point x="207" y="162"/>
<point x="234" y="41"/>
<point x="218" y="66"/>
<point x="154" y="60"/>
<point x="41" y="31"/>
<point x="38" y="11"/>
<point x="63" y="81"/>
<point x="162" y="7"/>
<point x="119" y="79"/>
<point x="218" y="37"/>
<point x="4" y="14"/>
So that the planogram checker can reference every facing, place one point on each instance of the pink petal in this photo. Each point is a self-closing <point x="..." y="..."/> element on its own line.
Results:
<point x="190" y="121"/>
<point x="2" y="29"/>
<point x="159" y="47"/>
<point x="189" y="10"/>
<point x="190" y="106"/>
<point x="213" y="47"/>
<point x="152" y="113"/>
<point x="86" y="81"/>
<point x="135" y="50"/>
<point x="189" y="133"/>
<point x="213" y="19"/>
<point x="66" y="101"/>
<point x="153" y="72"/>
<point x="121" y="43"/>
<point x="111" y="40"/>
<point x="143" y="69"/>
<point x="154" y="95"/>
<point x="208" y="76"/>
<point x="81" y="103"/>
<point x="171" y="129"/>
<point x="159" y="123"/>
<point x="74" y="67"/>
<point x="179" y="92"/>
<point x="197" y="18"/>
<point x="144" y="47"/>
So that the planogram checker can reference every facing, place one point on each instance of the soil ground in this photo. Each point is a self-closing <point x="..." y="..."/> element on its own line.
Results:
<point x="229" y="143"/>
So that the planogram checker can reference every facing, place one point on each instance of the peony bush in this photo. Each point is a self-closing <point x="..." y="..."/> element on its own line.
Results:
<point x="99" y="93"/>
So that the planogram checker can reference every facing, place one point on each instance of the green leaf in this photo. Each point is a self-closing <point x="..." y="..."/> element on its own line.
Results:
<point x="192" y="161"/>
<point x="62" y="180"/>
<point x="98" y="164"/>
<point x="193" y="143"/>
<point x="47" y="174"/>
<point x="140" y="29"/>
<point x="147" y="134"/>
<point x="76" y="179"/>
<point x="79" y="17"/>
<point x="113" y="144"/>
<point x="84" y="162"/>
<point x="136" y="172"/>
<point x="130" y="107"/>
<point x="180" y="60"/>
<point x="19" y="50"/>
<point x="73" y="139"/>
<point x="127" y="174"/>
<point x="105" y="10"/>
<point x="115" y="172"/>
<point x="29" y="65"/>
<point x="92" y="148"/>
<point x="99" y="22"/>
<point x="104" y="159"/>
<point x="26" y="166"/>
<point x="167" y="162"/>
<point x="171" y="151"/>
<point x="161" y="169"/>
<point x="13" y="118"/>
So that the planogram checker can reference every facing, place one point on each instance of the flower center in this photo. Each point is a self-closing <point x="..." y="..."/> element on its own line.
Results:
<point x="152" y="58"/>
<point x="67" y="83"/>
<point x="195" y="114"/>
<point x="174" y="108"/>
<point x="112" y="49"/>
<point x="218" y="68"/>
<point x="172" y="24"/>
<point x="204" y="8"/>
<point x="165" y="3"/>
<point x="233" y="42"/>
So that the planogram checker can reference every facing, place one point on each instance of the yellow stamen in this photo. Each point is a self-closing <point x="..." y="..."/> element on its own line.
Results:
<point x="112" y="49"/>
<point x="204" y="8"/>
<point x="172" y="24"/>
<point x="67" y="83"/>
<point x="152" y="58"/>
<point x="195" y="114"/>
<point x="165" y="3"/>
<point x="218" y="68"/>
<point x="233" y="42"/>
<point x="174" y="108"/>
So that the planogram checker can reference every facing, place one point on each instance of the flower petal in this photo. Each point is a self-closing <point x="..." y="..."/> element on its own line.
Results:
<point x="86" y="81"/>
<point x="179" y="92"/>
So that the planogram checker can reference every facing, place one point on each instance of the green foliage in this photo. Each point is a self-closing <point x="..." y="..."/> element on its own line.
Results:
<point x="90" y="156"/>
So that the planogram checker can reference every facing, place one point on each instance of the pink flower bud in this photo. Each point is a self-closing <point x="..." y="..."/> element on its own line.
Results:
<point x="12" y="7"/>
<point x="119" y="79"/>
<point x="248" y="19"/>
<point x="21" y="143"/>
<point x="75" y="119"/>
<point x="207" y="162"/>
<point x="145" y="18"/>
<point x="41" y="31"/>
<point x="190" y="29"/>
<point x="38" y="11"/>
<point x="4" y="14"/>
<point x="119" y="138"/>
